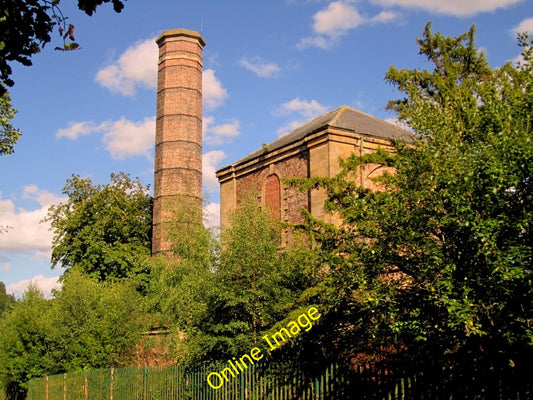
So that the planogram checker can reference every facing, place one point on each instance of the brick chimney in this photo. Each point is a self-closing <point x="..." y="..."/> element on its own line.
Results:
<point x="178" y="141"/>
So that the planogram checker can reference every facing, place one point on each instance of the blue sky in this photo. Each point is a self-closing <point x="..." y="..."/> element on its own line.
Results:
<point x="269" y="66"/>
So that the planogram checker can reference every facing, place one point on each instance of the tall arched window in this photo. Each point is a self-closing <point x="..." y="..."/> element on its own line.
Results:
<point x="273" y="195"/>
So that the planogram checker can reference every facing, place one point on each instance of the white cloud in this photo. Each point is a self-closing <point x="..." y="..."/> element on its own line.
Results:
<point x="384" y="17"/>
<point x="218" y="134"/>
<point x="289" y="127"/>
<point x="122" y="138"/>
<point x="524" y="26"/>
<point x="77" y="129"/>
<point x="210" y="161"/>
<point x="42" y="197"/>
<point x="315" y="41"/>
<point x="214" y="93"/>
<point x="397" y="122"/>
<point x="136" y="67"/>
<point x="126" y="138"/>
<point x="212" y="214"/>
<point x="459" y="8"/>
<point x="336" y="20"/>
<point x="43" y="283"/>
<point x="260" y="68"/>
<point x="26" y="233"/>
<point x="303" y="107"/>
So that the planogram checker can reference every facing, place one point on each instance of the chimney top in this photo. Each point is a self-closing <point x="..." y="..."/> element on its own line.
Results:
<point x="180" y="32"/>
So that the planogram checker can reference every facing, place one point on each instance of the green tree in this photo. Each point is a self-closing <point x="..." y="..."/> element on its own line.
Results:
<point x="254" y="286"/>
<point x="25" y="350"/>
<point x="219" y="298"/>
<point x="26" y="26"/>
<point x="180" y="282"/>
<point x="8" y="134"/>
<point x="6" y="300"/>
<point x="88" y="324"/>
<point x="94" y="324"/>
<point x="104" y="230"/>
<point x="440" y="261"/>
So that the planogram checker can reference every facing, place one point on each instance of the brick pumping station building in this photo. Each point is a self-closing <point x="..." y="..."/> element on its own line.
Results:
<point x="312" y="150"/>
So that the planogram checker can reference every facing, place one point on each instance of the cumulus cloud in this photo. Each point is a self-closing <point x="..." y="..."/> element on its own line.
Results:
<point x="304" y="109"/>
<point x="210" y="162"/>
<point x="260" y="68"/>
<point x="214" y="93"/>
<point x="26" y="233"/>
<point x="122" y="138"/>
<point x="458" y="8"/>
<point x="336" y="20"/>
<point x="525" y="26"/>
<point x="290" y="126"/>
<point x="216" y="134"/>
<point x="77" y="129"/>
<point x="384" y="17"/>
<point x="315" y="41"/>
<point x="125" y="138"/>
<point x="212" y="215"/>
<point x="136" y="67"/>
<point x="45" y="284"/>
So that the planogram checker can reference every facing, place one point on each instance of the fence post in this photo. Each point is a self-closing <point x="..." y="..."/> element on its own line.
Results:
<point x="46" y="389"/>
<point x="111" y="384"/>
<point x="65" y="386"/>
<point x="86" y="386"/>
<point x="243" y="385"/>
<point x="145" y="382"/>
<point x="317" y="388"/>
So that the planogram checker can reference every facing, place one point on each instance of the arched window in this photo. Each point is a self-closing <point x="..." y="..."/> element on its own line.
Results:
<point x="273" y="196"/>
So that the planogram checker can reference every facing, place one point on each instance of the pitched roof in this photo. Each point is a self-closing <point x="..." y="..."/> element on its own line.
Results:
<point x="345" y="118"/>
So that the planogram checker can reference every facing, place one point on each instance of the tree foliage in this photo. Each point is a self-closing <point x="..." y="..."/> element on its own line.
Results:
<point x="6" y="300"/>
<point x="180" y="282"/>
<point x="25" y="351"/>
<point x="88" y="324"/>
<point x="440" y="261"/>
<point x="254" y="286"/>
<point x="220" y="298"/>
<point x="104" y="230"/>
<point x="26" y="26"/>
<point x="8" y="134"/>
<point x="95" y="324"/>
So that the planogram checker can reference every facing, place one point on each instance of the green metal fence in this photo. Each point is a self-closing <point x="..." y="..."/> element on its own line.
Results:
<point x="274" y="381"/>
<point x="181" y="382"/>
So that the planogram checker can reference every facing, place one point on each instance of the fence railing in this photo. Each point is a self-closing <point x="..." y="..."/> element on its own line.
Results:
<point x="281" y="381"/>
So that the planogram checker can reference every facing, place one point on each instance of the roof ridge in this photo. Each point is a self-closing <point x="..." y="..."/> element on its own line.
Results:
<point x="309" y="122"/>
<point x="344" y="118"/>
<point x="341" y="111"/>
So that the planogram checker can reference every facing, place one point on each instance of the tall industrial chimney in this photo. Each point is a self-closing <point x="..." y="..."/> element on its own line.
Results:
<point x="178" y="141"/>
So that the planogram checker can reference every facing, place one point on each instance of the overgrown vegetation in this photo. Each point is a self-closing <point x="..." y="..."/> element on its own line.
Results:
<point x="220" y="296"/>
<point x="438" y="265"/>
<point x="435" y="267"/>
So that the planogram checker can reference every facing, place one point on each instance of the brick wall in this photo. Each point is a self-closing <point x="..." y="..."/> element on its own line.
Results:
<point x="178" y="147"/>
<point x="291" y="201"/>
